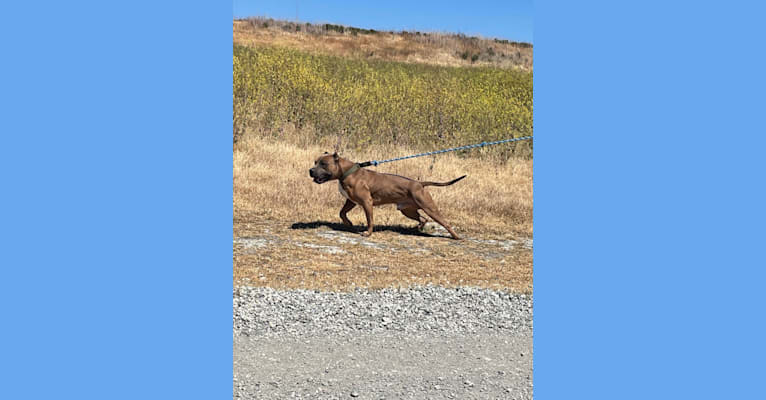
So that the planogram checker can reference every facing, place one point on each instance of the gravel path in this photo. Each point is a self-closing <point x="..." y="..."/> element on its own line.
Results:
<point x="426" y="342"/>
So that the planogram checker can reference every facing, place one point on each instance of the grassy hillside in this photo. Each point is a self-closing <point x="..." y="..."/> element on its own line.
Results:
<point x="316" y="98"/>
<point x="435" y="48"/>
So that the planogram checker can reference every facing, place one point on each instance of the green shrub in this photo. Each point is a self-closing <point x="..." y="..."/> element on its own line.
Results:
<point x="371" y="102"/>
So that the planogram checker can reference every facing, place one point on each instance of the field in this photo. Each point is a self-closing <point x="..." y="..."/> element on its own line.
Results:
<point x="375" y="103"/>
<point x="432" y="48"/>
<point x="288" y="233"/>
<point x="293" y="100"/>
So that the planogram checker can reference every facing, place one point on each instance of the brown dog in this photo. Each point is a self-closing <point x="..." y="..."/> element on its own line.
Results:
<point x="369" y="188"/>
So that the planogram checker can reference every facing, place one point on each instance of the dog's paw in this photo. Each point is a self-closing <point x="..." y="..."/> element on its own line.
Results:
<point x="365" y="234"/>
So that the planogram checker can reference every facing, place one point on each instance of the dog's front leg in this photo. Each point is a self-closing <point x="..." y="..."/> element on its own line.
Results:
<point x="367" y="205"/>
<point x="346" y="208"/>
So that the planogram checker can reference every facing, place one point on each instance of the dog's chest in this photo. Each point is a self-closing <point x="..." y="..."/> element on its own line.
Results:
<point x="343" y="192"/>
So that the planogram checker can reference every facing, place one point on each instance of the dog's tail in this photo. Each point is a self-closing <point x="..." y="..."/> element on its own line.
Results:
<point x="442" y="183"/>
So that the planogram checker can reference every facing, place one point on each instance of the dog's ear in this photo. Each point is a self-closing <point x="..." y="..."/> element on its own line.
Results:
<point x="335" y="156"/>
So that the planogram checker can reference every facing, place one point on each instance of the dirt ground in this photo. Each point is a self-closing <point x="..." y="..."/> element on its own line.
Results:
<point x="477" y="366"/>
<point x="326" y="255"/>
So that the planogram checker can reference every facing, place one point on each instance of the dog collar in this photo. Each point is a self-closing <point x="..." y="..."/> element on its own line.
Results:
<point x="349" y="172"/>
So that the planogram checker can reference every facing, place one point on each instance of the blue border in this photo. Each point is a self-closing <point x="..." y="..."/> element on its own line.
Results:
<point x="648" y="200"/>
<point x="115" y="159"/>
<point x="117" y="200"/>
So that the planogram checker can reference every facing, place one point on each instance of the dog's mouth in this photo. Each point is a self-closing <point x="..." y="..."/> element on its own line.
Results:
<point x="321" y="179"/>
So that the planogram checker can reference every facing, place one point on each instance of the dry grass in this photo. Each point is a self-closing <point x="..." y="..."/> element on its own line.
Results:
<point x="427" y="48"/>
<point x="271" y="177"/>
<point x="288" y="234"/>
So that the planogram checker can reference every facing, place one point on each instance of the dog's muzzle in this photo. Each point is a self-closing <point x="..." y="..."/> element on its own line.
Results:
<point x="319" y="177"/>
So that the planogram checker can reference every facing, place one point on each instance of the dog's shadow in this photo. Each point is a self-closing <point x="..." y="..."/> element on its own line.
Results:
<point x="404" y="230"/>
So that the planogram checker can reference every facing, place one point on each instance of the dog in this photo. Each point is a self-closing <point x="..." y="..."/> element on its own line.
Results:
<point x="369" y="188"/>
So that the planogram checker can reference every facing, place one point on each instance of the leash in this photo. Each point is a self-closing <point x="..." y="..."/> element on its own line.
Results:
<point x="470" y="146"/>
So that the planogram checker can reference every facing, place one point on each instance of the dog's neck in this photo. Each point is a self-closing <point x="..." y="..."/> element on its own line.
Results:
<point x="346" y="168"/>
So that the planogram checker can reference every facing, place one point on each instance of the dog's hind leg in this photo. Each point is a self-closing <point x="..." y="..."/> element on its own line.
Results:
<point x="424" y="201"/>
<point x="412" y="213"/>
<point x="343" y="211"/>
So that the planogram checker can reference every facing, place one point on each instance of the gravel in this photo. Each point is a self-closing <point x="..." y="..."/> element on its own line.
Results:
<point x="266" y="312"/>
<point x="421" y="342"/>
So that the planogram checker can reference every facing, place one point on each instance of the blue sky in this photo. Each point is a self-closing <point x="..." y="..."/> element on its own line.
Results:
<point x="510" y="19"/>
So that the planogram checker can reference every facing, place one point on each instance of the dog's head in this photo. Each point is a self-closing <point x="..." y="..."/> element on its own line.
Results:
<point x="326" y="168"/>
